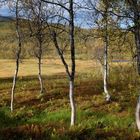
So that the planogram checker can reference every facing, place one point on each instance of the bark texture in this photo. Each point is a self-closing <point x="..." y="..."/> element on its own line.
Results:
<point x="70" y="70"/>
<point x="105" y="69"/>
<point x="17" y="57"/>
<point x="40" y="42"/>
<point x="40" y="75"/>
<point x="106" y="41"/>
<point x="72" y="103"/>
<point x="138" y="114"/>
<point x="134" y="6"/>
<point x="72" y="45"/>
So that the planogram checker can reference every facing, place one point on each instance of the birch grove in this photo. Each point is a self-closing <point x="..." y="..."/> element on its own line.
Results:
<point x="54" y="21"/>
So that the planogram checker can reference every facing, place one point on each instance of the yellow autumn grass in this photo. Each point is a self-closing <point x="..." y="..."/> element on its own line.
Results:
<point x="29" y="67"/>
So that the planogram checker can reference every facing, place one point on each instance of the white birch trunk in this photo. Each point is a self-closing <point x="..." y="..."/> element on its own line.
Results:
<point x="14" y="85"/>
<point x="40" y="77"/>
<point x="72" y="103"/>
<point x="17" y="56"/>
<point x="138" y="114"/>
<point x="137" y="43"/>
<point x="105" y="73"/>
<point x="71" y="74"/>
<point x="105" y="69"/>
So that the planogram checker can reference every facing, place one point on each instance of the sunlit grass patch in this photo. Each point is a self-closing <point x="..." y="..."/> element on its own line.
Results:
<point x="96" y="119"/>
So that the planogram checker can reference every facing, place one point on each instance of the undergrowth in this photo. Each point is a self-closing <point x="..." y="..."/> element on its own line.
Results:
<point x="49" y="117"/>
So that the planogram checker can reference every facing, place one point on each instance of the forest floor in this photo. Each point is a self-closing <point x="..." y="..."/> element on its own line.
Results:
<point x="47" y="117"/>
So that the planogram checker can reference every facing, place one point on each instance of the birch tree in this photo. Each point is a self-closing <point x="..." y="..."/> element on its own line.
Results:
<point x="134" y="7"/>
<point x="106" y="45"/>
<point x="98" y="12"/>
<point x="39" y="37"/>
<point x="18" y="53"/>
<point x="68" y="7"/>
<point x="129" y="12"/>
<point x="36" y="24"/>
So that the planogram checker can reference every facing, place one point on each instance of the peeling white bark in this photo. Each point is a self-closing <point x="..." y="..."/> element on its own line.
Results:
<point x="105" y="69"/>
<point x="40" y="77"/>
<point x="17" y="56"/>
<point x="72" y="103"/>
<point x="70" y="70"/>
<point x="107" y="96"/>
<point x="14" y="85"/>
<point x="138" y="114"/>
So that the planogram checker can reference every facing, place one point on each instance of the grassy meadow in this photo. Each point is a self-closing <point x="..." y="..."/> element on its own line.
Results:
<point x="47" y="117"/>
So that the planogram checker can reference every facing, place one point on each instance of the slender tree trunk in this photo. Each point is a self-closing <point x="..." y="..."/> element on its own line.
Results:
<point x="138" y="113"/>
<point x="105" y="73"/>
<point x="14" y="84"/>
<point x="137" y="42"/>
<point x="105" y="69"/>
<point x="40" y="75"/>
<point x="17" y="57"/>
<point x="70" y="73"/>
<point x="138" y="65"/>
<point x="39" y="36"/>
<point x="72" y="46"/>
<point x="72" y="103"/>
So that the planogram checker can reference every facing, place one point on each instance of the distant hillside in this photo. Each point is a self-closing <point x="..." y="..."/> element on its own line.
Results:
<point x="6" y="18"/>
<point x="86" y="45"/>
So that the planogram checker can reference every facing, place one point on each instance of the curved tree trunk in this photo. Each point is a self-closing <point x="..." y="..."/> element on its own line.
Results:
<point x="72" y="46"/>
<point x="14" y="84"/>
<point x="17" y="56"/>
<point x="72" y="103"/>
<point x="70" y="73"/>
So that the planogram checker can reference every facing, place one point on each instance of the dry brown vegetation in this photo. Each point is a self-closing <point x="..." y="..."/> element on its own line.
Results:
<point x="47" y="117"/>
<point x="49" y="67"/>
